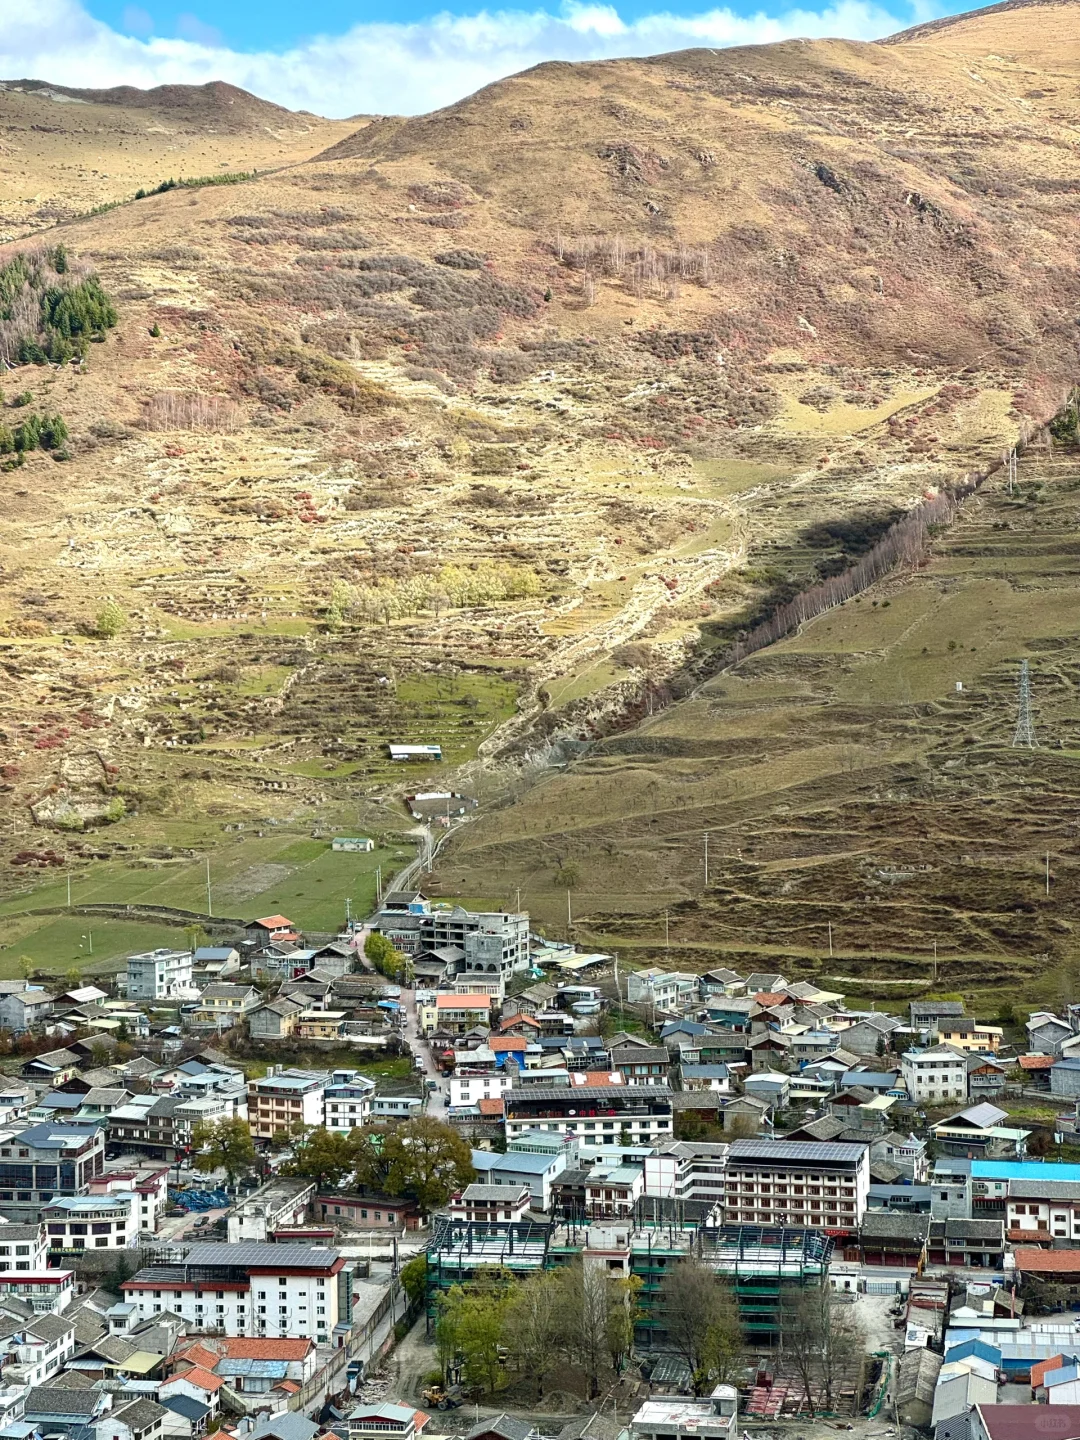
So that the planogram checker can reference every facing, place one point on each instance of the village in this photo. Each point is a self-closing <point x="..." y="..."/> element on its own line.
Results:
<point x="234" y="1177"/>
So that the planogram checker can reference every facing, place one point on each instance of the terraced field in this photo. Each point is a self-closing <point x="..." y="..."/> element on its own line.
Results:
<point x="857" y="777"/>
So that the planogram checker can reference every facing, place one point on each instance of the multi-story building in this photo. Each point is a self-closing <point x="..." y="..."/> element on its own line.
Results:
<point x="161" y="975"/>
<point x="455" y="1013"/>
<point x="222" y="1005"/>
<point x="249" y="1289"/>
<point x="969" y="1035"/>
<point x="639" y="1062"/>
<point x="687" y="1170"/>
<point x="936" y="1074"/>
<point x="46" y="1160"/>
<point x="275" y="1021"/>
<point x="157" y="1127"/>
<point x="77" y="1223"/>
<point x="47" y="1292"/>
<point x="148" y="1183"/>
<point x="592" y="1107"/>
<point x="467" y="1088"/>
<point x="21" y="1011"/>
<point x="279" y="1205"/>
<point x="612" y="1190"/>
<point x="490" y="944"/>
<point x="22" y="1247"/>
<point x="666" y="989"/>
<point x="798" y="1183"/>
<point x="347" y="1100"/>
<point x="284" y="1099"/>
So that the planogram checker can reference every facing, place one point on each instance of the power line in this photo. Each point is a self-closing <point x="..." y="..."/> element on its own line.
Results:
<point x="1024" y="734"/>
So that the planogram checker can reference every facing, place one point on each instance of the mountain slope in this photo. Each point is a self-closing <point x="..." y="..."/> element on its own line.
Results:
<point x="525" y="406"/>
<point x="64" y="151"/>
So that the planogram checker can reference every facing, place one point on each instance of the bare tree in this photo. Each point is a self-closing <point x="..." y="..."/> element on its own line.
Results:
<point x="822" y="1339"/>
<point x="532" y="1327"/>
<point x="701" y="1317"/>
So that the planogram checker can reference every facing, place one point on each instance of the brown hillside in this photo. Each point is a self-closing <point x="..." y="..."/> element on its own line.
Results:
<point x="64" y="151"/>
<point x="516" y="396"/>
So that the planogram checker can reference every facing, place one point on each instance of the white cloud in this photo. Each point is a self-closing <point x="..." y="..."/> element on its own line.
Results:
<point x="399" y="68"/>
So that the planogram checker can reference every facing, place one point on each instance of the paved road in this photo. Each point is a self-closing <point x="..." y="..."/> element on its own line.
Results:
<point x="420" y="1047"/>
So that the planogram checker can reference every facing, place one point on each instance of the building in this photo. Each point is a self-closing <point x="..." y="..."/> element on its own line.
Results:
<point x="674" y="1417"/>
<point x="161" y="975"/>
<point x="486" y="1204"/>
<point x="222" y="1005"/>
<point x="370" y="1212"/>
<point x="593" y="1107"/>
<point x="664" y="989"/>
<point x="797" y="1183"/>
<point x="970" y="1035"/>
<point x="277" y="1205"/>
<point x="78" y="1223"/>
<point x="971" y="1243"/>
<point x="47" y="1160"/>
<point x="353" y="842"/>
<point x="47" y="1292"/>
<point x="455" y="1014"/>
<point x="22" y="1010"/>
<point x="347" y="1100"/>
<point x="385" y="1421"/>
<point x="687" y="1170"/>
<point x="271" y="930"/>
<point x="1065" y="1078"/>
<point x="276" y="1020"/>
<point x="936" y="1074"/>
<point x="538" y="1169"/>
<point x="637" y="1061"/>
<point x="283" y="1099"/>
<point x="493" y="945"/>
<point x="272" y="1290"/>
<point x="613" y="1189"/>
<point x="470" y="1088"/>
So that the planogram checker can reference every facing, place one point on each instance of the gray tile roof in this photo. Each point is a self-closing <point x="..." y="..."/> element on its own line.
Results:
<point x="48" y="1400"/>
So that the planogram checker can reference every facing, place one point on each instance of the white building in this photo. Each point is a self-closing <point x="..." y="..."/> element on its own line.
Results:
<point x="797" y="1182"/>
<point x="347" y="1100"/>
<point x="687" y="1170"/>
<point x="666" y="989"/>
<point x="77" y="1223"/>
<point x="160" y="975"/>
<point x="247" y="1289"/>
<point x="466" y="1089"/>
<point x="939" y="1073"/>
<point x="280" y="1203"/>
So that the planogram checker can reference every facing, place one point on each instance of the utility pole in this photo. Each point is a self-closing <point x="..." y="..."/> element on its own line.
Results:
<point x="348" y="912"/>
<point x="667" y="935"/>
<point x="569" y="917"/>
<point x="69" y="890"/>
<point x="830" y="939"/>
<point x="935" y="962"/>
<point x="209" y="903"/>
<point x="1048" y="872"/>
<point x="517" y="902"/>
<point x="706" y="859"/>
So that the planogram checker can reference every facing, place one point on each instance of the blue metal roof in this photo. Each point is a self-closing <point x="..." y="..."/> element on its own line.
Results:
<point x="264" y="1369"/>
<point x="1025" y="1170"/>
<point x="978" y="1348"/>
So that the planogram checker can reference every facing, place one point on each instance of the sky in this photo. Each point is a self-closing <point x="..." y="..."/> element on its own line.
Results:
<point x="363" y="57"/>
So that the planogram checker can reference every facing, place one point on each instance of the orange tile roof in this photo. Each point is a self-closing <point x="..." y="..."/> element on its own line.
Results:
<point x="420" y="1419"/>
<point x="463" y="1002"/>
<point x="289" y="1385"/>
<point x="273" y="922"/>
<point x="1036" y="1062"/>
<point x="491" y="1105"/>
<point x="500" y="1043"/>
<point x="520" y="1019"/>
<point x="238" y="1347"/>
<point x="588" y="1078"/>
<point x="1042" y="1368"/>
<point x="199" y="1355"/>
<point x="1061" y="1262"/>
<point x="772" y="997"/>
<point x="202" y="1378"/>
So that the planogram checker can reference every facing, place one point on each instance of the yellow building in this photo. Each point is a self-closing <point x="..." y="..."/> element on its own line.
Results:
<point x="969" y="1035"/>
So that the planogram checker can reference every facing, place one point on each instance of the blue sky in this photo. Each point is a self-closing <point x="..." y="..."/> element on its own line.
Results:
<point x="280" y="24"/>
<point x="351" y="57"/>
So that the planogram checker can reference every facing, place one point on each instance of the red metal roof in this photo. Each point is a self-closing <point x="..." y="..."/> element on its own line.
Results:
<point x="1031" y="1422"/>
